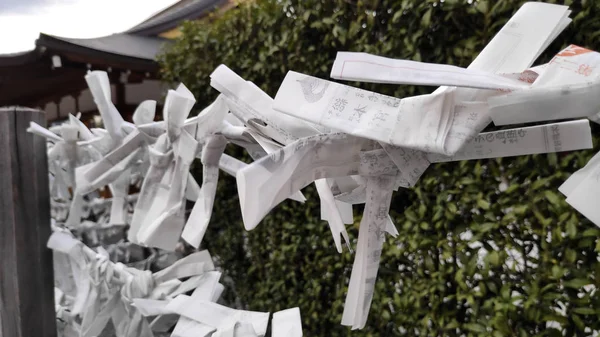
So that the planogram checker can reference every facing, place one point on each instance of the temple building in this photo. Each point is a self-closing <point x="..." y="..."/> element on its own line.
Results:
<point x="51" y="77"/>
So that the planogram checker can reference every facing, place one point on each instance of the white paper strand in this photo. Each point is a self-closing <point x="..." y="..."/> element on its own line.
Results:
<point x="381" y="143"/>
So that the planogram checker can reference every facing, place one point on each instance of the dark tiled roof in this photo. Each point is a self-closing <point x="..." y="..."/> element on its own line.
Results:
<point x="124" y="44"/>
<point x="138" y="46"/>
<point x="172" y="16"/>
<point x="20" y="58"/>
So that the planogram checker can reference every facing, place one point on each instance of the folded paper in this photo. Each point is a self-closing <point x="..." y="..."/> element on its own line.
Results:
<point x="355" y="145"/>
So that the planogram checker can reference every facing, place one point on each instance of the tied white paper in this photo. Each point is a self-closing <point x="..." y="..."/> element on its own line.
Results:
<point x="108" y="291"/>
<point x="160" y="159"/>
<point x="351" y="110"/>
<point x="555" y="137"/>
<point x="231" y="165"/>
<point x="365" y="67"/>
<point x="523" y="38"/>
<point x="158" y="220"/>
<point x="257" y="146"/>
<point x="371" y="235"/>
<point x="119" y="189"/>
<point x="144" y="113"/>
<point x="287" y="323"/>
<point x="189" y="328"/>
<point x="333" y="214"/>
<point x="512" y="50"/>
<point x="254" y="108"/>
<point x="87" y="160"/>
<point x="443" y="121"/>
<point x="198" y="220"/>
<point x="99" y="85"/>
<point x="208" y="290"/>
<point x="581" y="190"/>
<point x="164" y="230"/>
<point x="388" y="143"/>
<point x="411" y="164"/>
<point x="98" y="174"/>
<point x="567" y="87"/>
<point x="216" y="315"/>
<point x="270" y="180"/>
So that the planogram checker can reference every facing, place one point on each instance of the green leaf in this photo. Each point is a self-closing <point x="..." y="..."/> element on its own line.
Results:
<point x="482" y="6"/>
<point x="576" y="283"/>
<point x="422" y="210"/>
<point x="452" y="207"/>
<point x="452" y="325"/>
<point x="545" y="221"/>
<point x="584" y="311"/>
<point x="475" y="327"/>
<point x="505" y="292"/>
<point x="438" y="215"/>
<point x="571" y="229"/>
<point x="511" y="188"/>
<point x="410" y="215"/>
<point x="578" y="322"/>
<point x="557" y="318"/>
<point x="328" y="21"/>
<point x="494" y="258"/>
<point x="539" y="183"/>
<point x="591" y="232"/>
<point x="557" y="272"/>
<point x="486" y="227"/>
<point x="306" y="15"/>
<point x="426" y="19"/>
<point x="553" y="198"/>
<point x="520" y="209"/>
<point x="483" y="204"/>
<point x="564" y="216"/>
<point x="570" y="255"/>
<point x="501" y="323"/>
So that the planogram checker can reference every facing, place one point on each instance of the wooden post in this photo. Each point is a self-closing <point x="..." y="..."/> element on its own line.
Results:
<point x="26" y="275"/>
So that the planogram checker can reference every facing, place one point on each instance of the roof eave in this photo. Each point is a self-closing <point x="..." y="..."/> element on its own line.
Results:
<point x="80" y="53"/>
<point x="19" y="59"/>
<point x="160" y="27"/>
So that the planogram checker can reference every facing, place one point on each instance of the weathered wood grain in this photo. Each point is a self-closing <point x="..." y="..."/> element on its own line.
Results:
<point x="26" y="275"/>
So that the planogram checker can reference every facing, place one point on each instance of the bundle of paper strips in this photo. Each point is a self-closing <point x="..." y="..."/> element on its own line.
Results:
<point x="92" y="291"/>
<point x="357" y="147"/>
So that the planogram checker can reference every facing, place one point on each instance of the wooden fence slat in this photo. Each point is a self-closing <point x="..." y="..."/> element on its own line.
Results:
<point x="26" y="274"/>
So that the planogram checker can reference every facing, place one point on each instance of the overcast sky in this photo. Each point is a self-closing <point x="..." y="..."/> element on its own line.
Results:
<point x="21" y="21"/>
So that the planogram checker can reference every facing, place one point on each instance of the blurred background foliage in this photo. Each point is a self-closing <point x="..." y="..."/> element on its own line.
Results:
<point x="486" y="248"/>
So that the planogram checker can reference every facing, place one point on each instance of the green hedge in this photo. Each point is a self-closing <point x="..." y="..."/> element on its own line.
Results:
<point x="535" y="254"/>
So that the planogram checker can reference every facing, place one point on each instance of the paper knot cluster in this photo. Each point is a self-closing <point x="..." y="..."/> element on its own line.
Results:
<point x="97" y="292"/>
<point x="356" y="146"/>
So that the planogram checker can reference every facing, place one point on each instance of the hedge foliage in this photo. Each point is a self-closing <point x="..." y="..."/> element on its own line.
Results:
<point x="486" y="248"/>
